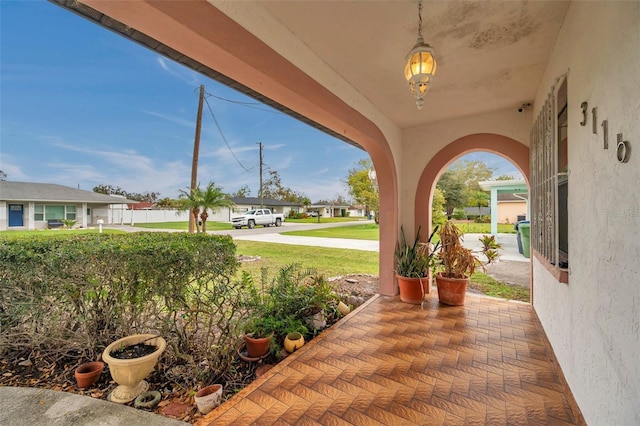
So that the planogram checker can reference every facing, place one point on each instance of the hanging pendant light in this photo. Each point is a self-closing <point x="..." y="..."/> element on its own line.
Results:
<point x="421" y="65"/>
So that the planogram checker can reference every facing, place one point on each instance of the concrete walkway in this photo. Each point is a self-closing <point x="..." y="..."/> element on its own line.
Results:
<point x="33" y="406"/>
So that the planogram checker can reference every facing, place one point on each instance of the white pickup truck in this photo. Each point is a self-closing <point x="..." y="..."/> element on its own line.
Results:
<point x="255" y="217"/>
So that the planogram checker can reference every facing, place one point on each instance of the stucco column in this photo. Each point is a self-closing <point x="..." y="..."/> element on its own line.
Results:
<point x="494" y="211"/>
<point x="31" y="216"/>
<point x="84" y="215"/>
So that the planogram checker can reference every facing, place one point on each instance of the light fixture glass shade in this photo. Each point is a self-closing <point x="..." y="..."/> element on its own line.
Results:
<point x="419" y="69"/>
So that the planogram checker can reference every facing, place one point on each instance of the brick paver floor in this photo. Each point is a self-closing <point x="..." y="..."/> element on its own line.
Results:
<point x="392" y="363"/>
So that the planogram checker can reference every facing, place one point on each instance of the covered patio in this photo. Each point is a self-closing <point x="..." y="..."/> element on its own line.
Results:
<point x="390" y="363"/>
<point x="550" y="85"/>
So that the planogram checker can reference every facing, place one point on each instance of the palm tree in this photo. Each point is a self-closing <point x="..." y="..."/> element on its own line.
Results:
<point x="212" y="198"/>
<point x="191" y="200"/>
<point x="479" y="199"/>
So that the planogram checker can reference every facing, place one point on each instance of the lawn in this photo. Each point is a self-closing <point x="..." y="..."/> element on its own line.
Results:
<point x="371" y="231"/>
<point x="184" y="226"/>
<point x="365" y="231"/>
<point x="333" y="262"/>
<point x="327" y="261"/>
<point x="491" y="287"/>
<point x="325" y="219"/>
<point x="484" y="228"/>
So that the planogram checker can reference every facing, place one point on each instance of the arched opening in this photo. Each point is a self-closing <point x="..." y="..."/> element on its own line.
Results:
<point x="508" y="148"/>
<point x="511" y="149"/>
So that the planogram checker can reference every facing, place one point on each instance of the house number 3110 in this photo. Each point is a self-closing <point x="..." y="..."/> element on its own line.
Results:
<point x="623" y="149"/>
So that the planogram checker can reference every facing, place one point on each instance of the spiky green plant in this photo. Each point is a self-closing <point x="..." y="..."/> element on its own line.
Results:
<point x="415" y="260"/>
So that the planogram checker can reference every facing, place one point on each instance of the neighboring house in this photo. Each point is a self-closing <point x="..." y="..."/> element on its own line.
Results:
<point x="329" y="209"/>
<point x="509" y="198"/>
<point x="29" y="205"/>
<point x="357" y="211"/>
<point x="511" y="208"/>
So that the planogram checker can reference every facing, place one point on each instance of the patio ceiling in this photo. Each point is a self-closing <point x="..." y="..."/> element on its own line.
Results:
<point x="491" y="55"/>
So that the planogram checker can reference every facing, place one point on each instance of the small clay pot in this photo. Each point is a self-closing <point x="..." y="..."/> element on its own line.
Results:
<point x="88" y="373"/>
<point x="208" y="398"/>
<point x="293" y="342"/>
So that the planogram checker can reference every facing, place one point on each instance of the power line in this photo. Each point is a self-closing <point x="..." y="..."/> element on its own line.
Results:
<point x="254" y="105"/>
<point x="225" y="139"/>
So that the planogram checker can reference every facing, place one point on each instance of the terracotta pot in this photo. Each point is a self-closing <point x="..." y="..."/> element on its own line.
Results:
<point x="208" y="398"/>
<point x="88" y="373"/>
<point x="293" y="342"/>
<point x="129" y="373"/>
<point x="451" y="291"/>
<point x="257" y="347"/>
<point x="412" y="290"/>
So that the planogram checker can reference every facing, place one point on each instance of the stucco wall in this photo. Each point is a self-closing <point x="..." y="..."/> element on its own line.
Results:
<point x="422" y="143"/>
<point x="508" y="211"/>
<point x="593" y="322"/>
<point x="3" y="215"/>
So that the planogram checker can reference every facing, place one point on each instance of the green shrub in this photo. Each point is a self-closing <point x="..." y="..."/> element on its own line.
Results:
<point x="76" y="294"/>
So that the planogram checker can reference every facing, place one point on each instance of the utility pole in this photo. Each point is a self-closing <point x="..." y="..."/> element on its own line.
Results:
<point x="261" y="196"/>
<point x="196" y="152"/>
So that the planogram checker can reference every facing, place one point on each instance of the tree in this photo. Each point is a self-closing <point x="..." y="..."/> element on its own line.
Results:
<point x="190" y="200"/>
<point x="454" y="190"/>
<point x="243" y="192"/>
<point x="437" y="208"/>
<point x="480" y="199"/>
<point x="151" y="197"/>
<point x="361" y="188"/>
<point x="472" y="172"/>
<point x="505" y="177"/>
<point x="167" y="203"/>
<point x="109" y="190"/>
<point x="212" y="198"/>
<point x="3" y="175"/>
<point x="272" y="188"/>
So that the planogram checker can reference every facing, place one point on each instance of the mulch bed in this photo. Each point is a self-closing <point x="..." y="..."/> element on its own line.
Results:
<point x="177" y="401"/>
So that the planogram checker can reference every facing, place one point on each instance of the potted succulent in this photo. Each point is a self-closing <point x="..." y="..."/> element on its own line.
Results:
<point x="413" y="264"/>
<point x="457" y="262"/>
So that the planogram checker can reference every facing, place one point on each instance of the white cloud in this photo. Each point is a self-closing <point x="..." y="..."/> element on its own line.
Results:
<point x="320" y="172"/>
<point x="9" y="166"/>
<point x="171" y="118"/>
<point x="179" y="71"/>
<point x="127" y="169"/>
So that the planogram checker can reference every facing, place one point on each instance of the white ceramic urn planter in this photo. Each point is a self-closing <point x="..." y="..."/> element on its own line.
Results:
<point x="130" y="373"/>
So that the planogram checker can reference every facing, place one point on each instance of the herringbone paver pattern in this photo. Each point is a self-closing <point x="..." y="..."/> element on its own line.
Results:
<point x="392" y="363"/>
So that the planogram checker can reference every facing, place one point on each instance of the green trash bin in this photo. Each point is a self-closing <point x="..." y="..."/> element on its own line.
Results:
<point x="525" y="232"/>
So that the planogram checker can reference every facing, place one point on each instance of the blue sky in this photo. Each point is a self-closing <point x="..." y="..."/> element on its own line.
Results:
<point x="82" y="106"/>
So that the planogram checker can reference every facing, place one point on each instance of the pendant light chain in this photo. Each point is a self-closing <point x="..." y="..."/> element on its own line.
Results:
<point x="420" y="18"/>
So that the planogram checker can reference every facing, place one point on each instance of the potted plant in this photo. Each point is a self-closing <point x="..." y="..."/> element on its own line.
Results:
<point x="258" y="332"/>
<point x="130" y="369"/>
<point x="458" y="263"/>
<point x="413" y="264"/>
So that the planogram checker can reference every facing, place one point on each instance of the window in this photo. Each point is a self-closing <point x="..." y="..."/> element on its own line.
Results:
<point x="70" y="212"/>
<point x="54" y="212"/>
<point x="43" y="212"/>
<point x="550" y="179"/>
<point x="38" y="212"/>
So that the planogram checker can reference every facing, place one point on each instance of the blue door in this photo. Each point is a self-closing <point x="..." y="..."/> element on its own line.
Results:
<point x="15" y="214"/>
